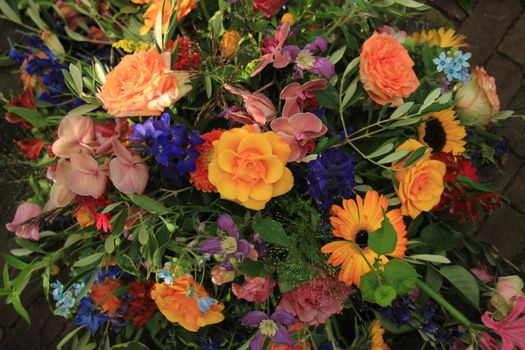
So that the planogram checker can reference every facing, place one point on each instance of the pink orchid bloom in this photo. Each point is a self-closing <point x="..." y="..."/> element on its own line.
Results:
<point x="60" y="194"/>
<point x="104" y="134"/>
<point x="87" y="178"/>
<point x="296" y="94"/>
<point x="275" y="55"/>
<point x="482" y="273"/>
<point x="511" y="328"/>
<point x="128" y="172"/>
<point x="21" y="225"/>
<point x="75" y="134"/>
<point x="298" y="131"/>
<point x="259" y="108"/>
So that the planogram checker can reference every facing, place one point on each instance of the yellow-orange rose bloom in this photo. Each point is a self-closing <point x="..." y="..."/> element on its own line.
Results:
<point x="420" y="186"/>
<point x="150" y="16"/>
<point x="250" y="167"/>
<point x="178" y="303"/>
<point x="143" y="84"/>
<point x="229" y="43"/>
<point x="386" y="70"/>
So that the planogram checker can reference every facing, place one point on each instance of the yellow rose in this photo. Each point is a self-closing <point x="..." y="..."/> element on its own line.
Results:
<point x="229" y="43"/>
<point x="250" y="167"/>
<point x="420" y="186"/>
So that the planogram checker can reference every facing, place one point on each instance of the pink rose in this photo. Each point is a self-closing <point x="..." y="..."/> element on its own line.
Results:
<point x="507" y="288"/>
<point x="269" y="7"/>
<point x="477" y="100"/>
<point x="22" y="225"/>
<point x="254" y="289"/>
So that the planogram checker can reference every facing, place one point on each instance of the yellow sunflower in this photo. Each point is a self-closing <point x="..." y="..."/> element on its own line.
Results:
<point x="354" y="222"/>
<point x="441" y="131"/>
<point x="376" y="336"/>
<point x="441" y="37"/>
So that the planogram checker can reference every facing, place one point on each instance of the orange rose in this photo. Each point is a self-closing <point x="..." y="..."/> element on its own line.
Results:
<point x="178" y="302"/>
<point x="250" y="167"/>
<point x="143" y="84"/>
<point x="386" y="70"/>
<point x="150" y="16"/>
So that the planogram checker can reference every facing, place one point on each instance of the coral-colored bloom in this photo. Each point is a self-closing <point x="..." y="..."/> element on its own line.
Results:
<point x="259" y="108"/>
<point x="274" y="51"/>
<point x="511" y="328"/>
<point x="128" y="172"/>
<point x="269" y="7"/>
<point x="179" y="303"/>
<point x="477" y="100"/>
<point x="31" y="148"/>
<point x="199" y="178"/>
<point x="84" y="217"/>
<point x="299" y="131"/>
<point x="315" y="301"/>
<point x="76" y="134"/>
<point x="386" y="70"/>
<point x="298" y="96"/>
<point x="23" y="225"/>
<point x="254" y="289"/>
<point x="143" y="84"/>
<point x="103" y="295"/>
<point x="354" y="222"/>
<point x="87" y="177"/>
<point x="250" y="167"/>
<point x="184" y="7"/>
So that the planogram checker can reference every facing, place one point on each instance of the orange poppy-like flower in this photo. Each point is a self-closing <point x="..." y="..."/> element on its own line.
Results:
<point x="103" y="296"/>
<point x="249" y="167"/>
<point x="150" y="16"/>
<point x="143" y="84"/>
<point x="386" y="70"/>
<point x="181" y="302"/>
<point x="84" y="217"/>
<point x="354" y="222"/>
<point x="199" y="178"/>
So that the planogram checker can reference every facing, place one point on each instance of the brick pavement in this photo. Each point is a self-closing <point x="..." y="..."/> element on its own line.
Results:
<point x="495" y="34"/>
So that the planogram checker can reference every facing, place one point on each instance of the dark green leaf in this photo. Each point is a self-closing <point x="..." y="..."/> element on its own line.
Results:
<point x="328" y="97"/>
<point x="463" y="281"/>
<point x="466" y="5"/>
<point x="415" y="156"/>
<point x="132" y="345"/>
<point x="34" y="117"/>
<point x="19" y="308"/>
<point x="438" y="237"/>
<point x="271" y="231"/>
<point x="253" y="268"/>
<point x="383" y="241"/>
<point x="369" y="284"/>
<point x="148" y="204"/>
<point x="384" y="295"/>
<point x="92" y="259"/>
<point x="401" y="275"/>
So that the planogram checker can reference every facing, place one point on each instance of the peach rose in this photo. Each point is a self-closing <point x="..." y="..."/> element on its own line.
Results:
<point x="143" y="84"/>
<point x="507" y="288"/>
<point x="421" y="185"/>
<point x="386" y="70"/>
<point x="477" y="100"/>
<point x="250" y="167"/>
<point x="150" y="16"/>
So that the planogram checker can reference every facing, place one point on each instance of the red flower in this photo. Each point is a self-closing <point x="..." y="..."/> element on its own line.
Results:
<point x="187" y="57"/>
<point x="30" y="148"/>
<point x="511" y="328"/>
<point x="269" y="7"/>
<point x="140" y="306"/>
<point x="25" y="101"/>
<point x="91" y="204"/>
<point x="200" y="176"/>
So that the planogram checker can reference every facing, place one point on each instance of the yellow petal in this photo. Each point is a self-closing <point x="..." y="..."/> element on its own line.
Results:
<point x="255" y="143"/>
<point x="284" y="184"/>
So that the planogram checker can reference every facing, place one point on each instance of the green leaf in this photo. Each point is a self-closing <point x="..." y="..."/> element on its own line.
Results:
<point x="328" y="97"/>
<point x="392" y="327"/>
<point x="348" y="94"/>
<point x="157" y="30"/>
<point x="392" y="157"/>
<point x="463" y="281"/>
<point x="369" y="284"/>
<point x="501" y="115"/>
<point x="415" y="156"/>
<point x="68" y="337"/>
<point x="385" y="148"/>
<point x="215" y="25"/>
<point x="439" y="259"/>
<point x="81" y="110"/>
<point x="19" y="308"/>
<point x="74" y="35"/>
<point x="253" y="268"/>
<point x="430" y="99"/>
<point x="413" y="4"/>
<point x="109" y="244"/>
<point x="404" y="122"/>
<point x="337" y="55"/>
<point x="148" y="204"/>
<point x="466" y="5"/>
<point x="208" y="86"/>
<point x="383" y="241"/>
<point x="76" y="74"/>
<point x="438" y="237"/>
<point x="402" y="110"/>
<point x="132" y="345"/>
<point x="384" y="295"/>
<point x="89" y="260"/>
<point x="401" y="275"/>
<point x="349" y="69"/>
<point x="143" y="235"/>
<point x="31" y="116"/>
<point x="35" y="17"/>
<point x="9" y="12"/>
<point x="271" y="231"/>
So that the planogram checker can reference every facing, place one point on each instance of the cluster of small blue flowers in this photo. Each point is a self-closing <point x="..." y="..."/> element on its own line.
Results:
<point x="172" y="146"/>
<point x="65" y="300"/>
<point x="454" y="64"/>
<point x="331" y="177"/>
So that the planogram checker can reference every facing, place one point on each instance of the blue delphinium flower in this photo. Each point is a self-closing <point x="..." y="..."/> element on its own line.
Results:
<point x="89" y="316"/>
<point x="65" y="300"/>
<point x="331" y="177"/>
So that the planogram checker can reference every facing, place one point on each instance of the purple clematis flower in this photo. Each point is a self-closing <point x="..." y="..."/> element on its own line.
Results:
<point x="273" y="327"/>
<point x="231" y="246"/>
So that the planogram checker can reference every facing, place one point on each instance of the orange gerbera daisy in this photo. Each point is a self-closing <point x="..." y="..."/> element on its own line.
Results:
<point x="354" y="222"/>
<point x="200" y="176"/>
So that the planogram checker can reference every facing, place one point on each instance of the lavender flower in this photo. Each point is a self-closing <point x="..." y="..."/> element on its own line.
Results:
<point x="273" y="327"/>
<point x="231" y="246"/>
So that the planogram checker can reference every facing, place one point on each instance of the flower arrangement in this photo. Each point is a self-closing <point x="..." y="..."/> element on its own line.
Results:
<point x="268" y="174"/>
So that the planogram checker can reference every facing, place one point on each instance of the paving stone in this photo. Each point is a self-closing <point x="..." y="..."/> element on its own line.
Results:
<point x="487" y="25"/>
<point x="504" y="230"/>
<point x="508" y="77"/>
<point x="449" y="8"/>
<point x="501" y="177"/>
<point x="512" y="44"/>
<point x="515" y="132"/>
<point x="518" y="102"/>
<point x="516" y="191"/>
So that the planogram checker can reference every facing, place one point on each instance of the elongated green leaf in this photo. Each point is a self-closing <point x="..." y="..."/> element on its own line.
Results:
<point x="415" y="156"/>
<point x="81" y="110"/>
<point x="430" y="99"/>
<point x="89" y="260"/>
<point x="148" y="204"/>
<point x="34" y="117"/>
<point x="387" y="147"/>
<point x="271" y="231"/>
<point x="402" y="110"/>
<point x="19" y="308"/>
<point x="9" y="12"/>
<point x="68" y="337"/>
<point x="35" y="17"/>
<point x="463" y="281"/>
<point x="404" y="122"/>
<point x="109" y="244"/>
<point x="351" y="66"/>
<point x="74" y="35"/>
<point x="392" y="157"/>
<point x="132" y="345"/>
<point x="439" y="259"/>
<point x="76" y="74"/>
<point x="337" y="55"/>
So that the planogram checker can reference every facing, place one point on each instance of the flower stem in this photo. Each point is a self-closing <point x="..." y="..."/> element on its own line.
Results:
<point x="446" y="305"/>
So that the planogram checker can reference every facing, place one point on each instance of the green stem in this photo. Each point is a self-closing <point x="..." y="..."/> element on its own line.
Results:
<point x="446" y="305"/>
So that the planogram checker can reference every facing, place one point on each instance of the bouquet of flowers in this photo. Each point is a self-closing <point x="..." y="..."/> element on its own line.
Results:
<point x="262" y="174"/>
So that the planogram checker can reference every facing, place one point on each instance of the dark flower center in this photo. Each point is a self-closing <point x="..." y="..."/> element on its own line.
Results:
<point x="361" y="239"/>
<point x="435" y="135"/>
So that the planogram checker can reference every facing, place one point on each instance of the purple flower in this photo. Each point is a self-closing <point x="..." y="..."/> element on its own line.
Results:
<point x="231" y="246"/>
<point x="273" y="327"/>
<point x="318" y="45"/>
<point x="324" y="67"/>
